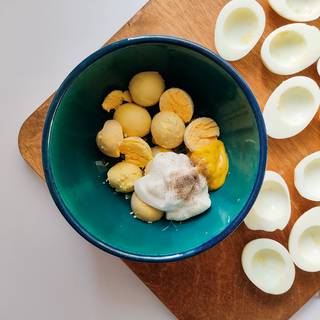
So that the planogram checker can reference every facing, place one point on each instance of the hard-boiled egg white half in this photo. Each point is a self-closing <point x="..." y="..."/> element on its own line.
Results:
<point x="272" y="209"/>
<point x="291" y="107"/>
<point x="291" y="48"/>
<point x="239" y="27"/>
<point x="307" y="177"/>
<point x="268" y="265"/>
<point x="297" y="10"/>
<point x="318" y="67"/>
<point x="304" y="241"/>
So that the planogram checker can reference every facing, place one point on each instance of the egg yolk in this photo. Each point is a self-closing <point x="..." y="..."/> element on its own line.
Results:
<point x="211" y="160"/>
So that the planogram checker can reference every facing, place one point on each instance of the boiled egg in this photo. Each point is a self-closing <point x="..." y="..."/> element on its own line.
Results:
<point x="291" y="48"/>
<point x="307" y="177"/>
<point x="268" y="265"/>
<point x="291" y="107"/>
<point x="297" y="10"/>
<point x="272" y="209"/>
<point x="318" y="67"/>
<point x="239" y="27"/>
<point x="304" y="241"/>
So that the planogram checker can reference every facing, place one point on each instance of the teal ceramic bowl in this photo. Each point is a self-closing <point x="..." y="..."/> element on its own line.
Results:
<point x="73" y="164"/>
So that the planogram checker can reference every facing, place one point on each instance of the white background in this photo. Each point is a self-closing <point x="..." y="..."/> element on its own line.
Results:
<point x="47" y="271"/>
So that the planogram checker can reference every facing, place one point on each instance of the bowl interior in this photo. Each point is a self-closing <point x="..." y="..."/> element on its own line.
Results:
<point x="76" y="165"/>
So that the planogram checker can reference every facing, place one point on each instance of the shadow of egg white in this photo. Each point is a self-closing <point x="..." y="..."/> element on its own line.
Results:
<point x="291" y="48"/>
<point x="291" y="107"/>
<point x="239" y="27"/>
<point x="296" y="10"/>
<point x="272" y="209"/>
<point x="307" y="177"/>
<point x="268" y="266"/>
<point x="304" y="241"/>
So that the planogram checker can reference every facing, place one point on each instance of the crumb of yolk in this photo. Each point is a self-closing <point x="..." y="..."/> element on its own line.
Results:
<point x="211" y="160"/>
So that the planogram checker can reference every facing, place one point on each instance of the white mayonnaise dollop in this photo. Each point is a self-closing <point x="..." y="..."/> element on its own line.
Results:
<point x="173" y="185"/>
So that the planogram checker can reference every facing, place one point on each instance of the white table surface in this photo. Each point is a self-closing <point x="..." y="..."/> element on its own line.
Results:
<point x="47" y="271"/>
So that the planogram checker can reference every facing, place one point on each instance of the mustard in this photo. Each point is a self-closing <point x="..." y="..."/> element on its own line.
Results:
<point x="212" y="161"/>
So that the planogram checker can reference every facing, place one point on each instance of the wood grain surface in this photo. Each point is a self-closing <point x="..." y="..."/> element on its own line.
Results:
<point x="212" y="284"/>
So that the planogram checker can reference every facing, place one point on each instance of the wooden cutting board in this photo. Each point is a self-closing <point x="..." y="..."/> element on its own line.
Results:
<point x="212" y="285"/>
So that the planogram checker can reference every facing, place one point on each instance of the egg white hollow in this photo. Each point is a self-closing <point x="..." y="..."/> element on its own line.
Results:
<point x="291" y="107"/>
<point x="304" y="241"/>
<point x="291" y="48"/>
<point x="239" y="27"/>
<point x="307" y="177"/>
<point x="272" y="209"/>
<point x="297" y="10"/>
<point x="268" y="265"/>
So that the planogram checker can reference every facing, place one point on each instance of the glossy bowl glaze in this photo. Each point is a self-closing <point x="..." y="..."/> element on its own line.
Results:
<point x="74" y="167"/>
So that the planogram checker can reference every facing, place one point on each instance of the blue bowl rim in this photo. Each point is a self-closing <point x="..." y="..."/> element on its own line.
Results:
<point x="56" y="102"/>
